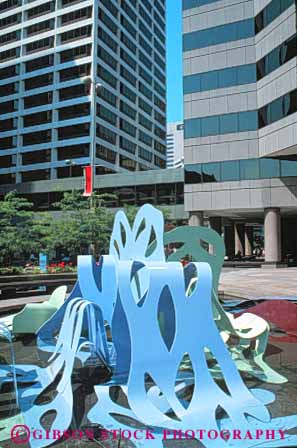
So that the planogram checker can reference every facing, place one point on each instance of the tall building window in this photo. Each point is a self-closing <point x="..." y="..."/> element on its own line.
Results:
<point x="10" y="37"/>
<point x="75" y="131"/>
<point x="75" y="53"/>
<point x="127" y="145"/>
<point x="127" y="163"/>
<point x="106" y="134"/>
<point x="75" y="72"/>
<point x="106" y="114"/>
<point x="74" y="91"/>
<point x="39" y="10"/>
<point x="39" y="63"/>
<point x="35" y="138"/>
<point x="127" y="127"/>
<point x="9" y="4"/>
<point x="39" y="45"/>
<point x="9" y="72"/>
<point x="40" y="27"/>
<point x="30" y="158"/>
<point x="77" y="15"/>
<point x="38" y="100"/>
<point x="38" y="118"/>
<point x="10" y="20"/>
<point x="78" y="33"/>
<point x="73" y="151"/>
<point x="78" y="110"/>
<point x="8" y="89"/>
<point x="106" y="154"/>
<point x="274" y="9"/>
<point x="9" y="54"/>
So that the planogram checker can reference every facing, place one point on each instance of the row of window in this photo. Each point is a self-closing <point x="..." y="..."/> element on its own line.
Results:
<point x="75" y="171"/>
<point x="274" y="9"/>
<point x="47" y="25"/>
<point x="70" y="152"/>
<point x="44" y="8"/>
<point x="130" y="11"/>
<point x="127" y="23"/>
<point x="243" y="74"/>
<point x="12" y="53"/>
<point x="111" y="136"/>
<point x="130" y="44"/>
<point x="221" y="124"/>
<point x="72" y="54"/>
<point x="158" y="194"/>
<point x="112" y="62"/>
<point x="47" y="79"/>
<point x="80" y="109"/>
<point x="82" y="51"/>
<point x="277" y="57"/>
<point x="84" y="14"/>
<point x="242" y="121"/>
<point x="219" y="34"/>
<point x="36" y="138"/>
<point x="217" y="79"/>
<point x="233" y="31"/>
<point x="10" y="37"/>
<point x="189" y="4"/>
<point x="9" y="4"/>
<point x="70" y="113"/>
<point x="278" y="109"/>
<point x="236" y="170"/>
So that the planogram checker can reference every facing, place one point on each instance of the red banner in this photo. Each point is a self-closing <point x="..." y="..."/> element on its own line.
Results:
<point x="88" y="173"/>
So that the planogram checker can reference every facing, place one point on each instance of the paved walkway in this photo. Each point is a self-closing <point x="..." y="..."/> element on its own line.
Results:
<point x="259" y="282"/>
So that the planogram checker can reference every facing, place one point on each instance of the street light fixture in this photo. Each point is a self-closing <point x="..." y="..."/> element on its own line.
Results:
<point x="70" y="163"/>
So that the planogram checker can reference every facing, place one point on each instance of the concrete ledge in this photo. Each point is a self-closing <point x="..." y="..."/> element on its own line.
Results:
<point x="273" y="264"/>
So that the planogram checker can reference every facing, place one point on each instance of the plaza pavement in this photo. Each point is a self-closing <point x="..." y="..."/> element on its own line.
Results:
<point x="258" y="283"/>
<point x="249" y="283"/>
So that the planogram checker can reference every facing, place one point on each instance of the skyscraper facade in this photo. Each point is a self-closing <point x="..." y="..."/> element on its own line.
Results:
<point x="81" y="82"/>
<point x="240" y="103"/>
<point x="175" y="145"/>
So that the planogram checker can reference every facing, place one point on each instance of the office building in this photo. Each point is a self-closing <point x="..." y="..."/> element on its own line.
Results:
<point x="157" y="187"/>
<point x="81" y="82"/>
<point x="240" y="103"/>
<point x="175" y="145"/>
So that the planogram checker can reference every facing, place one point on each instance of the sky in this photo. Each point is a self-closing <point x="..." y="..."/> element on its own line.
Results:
<point x="174" y="61"/>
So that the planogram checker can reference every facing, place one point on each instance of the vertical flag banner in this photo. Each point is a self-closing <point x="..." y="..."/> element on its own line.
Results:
<point x="88" y="174"/>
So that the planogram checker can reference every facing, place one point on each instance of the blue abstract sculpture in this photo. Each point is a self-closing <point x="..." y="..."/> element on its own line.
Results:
<point x="154" y="325"/>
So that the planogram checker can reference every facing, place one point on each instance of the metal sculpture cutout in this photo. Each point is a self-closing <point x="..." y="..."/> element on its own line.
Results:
<point x="249" y="328"/>
<point x="157" y="319"/>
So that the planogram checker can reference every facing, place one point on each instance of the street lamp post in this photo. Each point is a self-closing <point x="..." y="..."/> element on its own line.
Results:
<point x="94" y="89"/>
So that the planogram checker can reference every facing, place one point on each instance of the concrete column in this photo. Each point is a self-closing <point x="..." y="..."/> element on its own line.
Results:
<point x="196" y="219"/>
<point x="215" y="223"/>
<point x="248" y="240"/>
<point x="239" y="238"/>
<point x="272" y="235"/>
<point x="229" y="240"/>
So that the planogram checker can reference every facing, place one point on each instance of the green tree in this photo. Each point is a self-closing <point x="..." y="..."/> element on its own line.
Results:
<point x="20" y="232"/>
<point x="83" y="226"/>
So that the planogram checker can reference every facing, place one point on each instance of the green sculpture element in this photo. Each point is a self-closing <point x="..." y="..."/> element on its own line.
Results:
<point x="34" y="315"/>
<point x="193" y="244"/>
